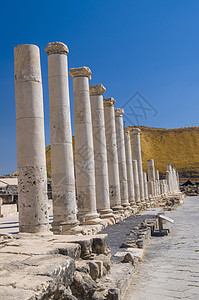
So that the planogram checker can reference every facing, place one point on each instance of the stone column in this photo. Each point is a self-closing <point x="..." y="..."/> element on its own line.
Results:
<point x="121" y="157"/>
<point x="129" y="167"/>
<point x="176" y="186"/>
<point x="136" y="183"/>
<point x="170" y="178"/>
<point x="112" y="156"/>
<point x="100" y="154"/>
<point x="145" y="186"/>
<point x="136" y="146"/>
<point x="151" y="170"/>
<point x="31" y="160"/>
<point x="168" y="182"/>
<point x="84" y="152"/>
<point x="151" y="178"/>
<point x="157" y="177"/>
<point x="62" y="165"/>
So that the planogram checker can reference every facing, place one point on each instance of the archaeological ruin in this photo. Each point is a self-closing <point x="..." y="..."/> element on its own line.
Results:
<point x="97" y="184"/>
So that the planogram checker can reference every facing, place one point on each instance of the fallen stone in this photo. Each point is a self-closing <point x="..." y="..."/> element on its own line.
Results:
<point x="94" y="270"/>
<point x="83" y="285"/>
<point x="82" y="266"/>
<point x="101" y="245"/>
<point x="113" y="294"/>
<point x="136" y="252"/>
<point x="106" y="261"/>
<point x="129" y="258"/>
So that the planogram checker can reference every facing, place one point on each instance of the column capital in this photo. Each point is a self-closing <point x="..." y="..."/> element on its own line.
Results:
<point x="126" y="132"/>
<point x="80" y="72"/>
<point x="119" y="112"/>
<point x="135" y="130"/>
<point x="109" y="101"/>
<point x="150" y="161"/>
<point x="56" y="48"/>
<point x="96" y="89"/>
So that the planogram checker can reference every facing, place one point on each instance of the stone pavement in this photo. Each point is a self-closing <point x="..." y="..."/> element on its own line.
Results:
<point x="171" y="267"/>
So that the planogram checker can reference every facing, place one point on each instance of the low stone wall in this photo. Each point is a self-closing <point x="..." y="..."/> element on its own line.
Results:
<point x="8" y="210"/>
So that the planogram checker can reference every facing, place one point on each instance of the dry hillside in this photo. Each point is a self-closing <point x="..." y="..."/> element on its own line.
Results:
<point x="178" y="146"/>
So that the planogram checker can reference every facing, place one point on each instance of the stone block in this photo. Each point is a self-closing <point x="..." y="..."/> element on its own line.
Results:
<point x="8" y="210"/>
<point x="100" y="244"/>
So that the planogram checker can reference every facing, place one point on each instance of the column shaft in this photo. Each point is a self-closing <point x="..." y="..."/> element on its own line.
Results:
<point x="121" y="156"/>
<point x="84" y="152"/>
<point x="151" y="178"/>
<point x="136" y="183"/>
<point x="62" y="165"/>
<point x="31" y="160"/>
<point x="100" y="153"/>
<point x="112" y="156"/>
<point x="129" y="167"/>
<point x="145" y="186"/>
<point x="136" y="146"/>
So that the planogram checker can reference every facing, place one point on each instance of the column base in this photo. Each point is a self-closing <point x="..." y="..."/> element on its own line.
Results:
<point x="126" y="206"/>
<point x="118" y="209"/>
<point x="134" y="207"/>
<point x="66" y="228"/>
<point x="36" y="229"/>
<point x="106" y="213"/>
<point x="89" y="218"/>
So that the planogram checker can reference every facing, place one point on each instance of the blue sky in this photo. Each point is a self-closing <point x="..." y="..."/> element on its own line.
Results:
<point x="150" y="46"/>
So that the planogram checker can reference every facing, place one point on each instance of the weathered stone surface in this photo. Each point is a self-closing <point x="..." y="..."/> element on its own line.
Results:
<point x="62" y="165"/>
<point x="83" y="285"/>
<point x="121" y="157"/>
<point x="31" y="161"/>
<point x="100" y="151"/>
<point x="112" y="155"/>
<point x="136" y="146"/>
<point x="129" y="258"/>
<point x="113" y="294"/>
<point x="100" y="244"/>
<point x="82" y="266"/>
<point x="71" y="250"/>
<point x="84" y="150"/>
<point x="86" y="247"/>
<point x="106" y="261"/>
<point x="94" y="270"/>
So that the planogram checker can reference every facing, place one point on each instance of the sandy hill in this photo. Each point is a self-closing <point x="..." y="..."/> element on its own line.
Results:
<point x="178" y="146"/>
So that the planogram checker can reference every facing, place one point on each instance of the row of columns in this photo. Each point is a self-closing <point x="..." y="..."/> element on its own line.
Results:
<point x="108" y="178"/>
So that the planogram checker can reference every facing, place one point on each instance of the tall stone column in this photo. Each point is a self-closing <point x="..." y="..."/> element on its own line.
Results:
<point x="170" y="178"/>
<point x="136" y="183"/>
<point x="112" y="156"/>
<point x="84" y="152"/>
<point x="136" y="146"/>
<point x="100" y="153"/>
<point x="121" y="157"/>
<point x="168" y="182"/>
<point x="129" y="168"/>
<point x="151" y="178"/>
<point x="31" y="160"/>
<point x="145" y="186"/>
<point x="157" y="177"/>
<point x="62" y="165"/>
<point x="151" y="170"/>
<point x="176" y="186"/>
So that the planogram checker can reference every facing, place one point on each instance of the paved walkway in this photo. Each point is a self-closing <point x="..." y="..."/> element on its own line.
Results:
<point x="171" y="268"/>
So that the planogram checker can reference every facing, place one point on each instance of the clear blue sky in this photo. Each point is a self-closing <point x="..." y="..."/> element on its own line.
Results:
<point x="150" y="46"/>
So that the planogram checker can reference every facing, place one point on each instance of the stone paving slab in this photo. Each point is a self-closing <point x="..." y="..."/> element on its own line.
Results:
<point x="171" y="267"/>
